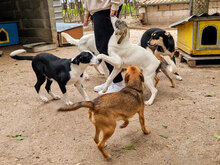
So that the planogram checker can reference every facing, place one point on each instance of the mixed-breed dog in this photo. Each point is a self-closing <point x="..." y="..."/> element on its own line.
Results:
<point x="142" y="68"/>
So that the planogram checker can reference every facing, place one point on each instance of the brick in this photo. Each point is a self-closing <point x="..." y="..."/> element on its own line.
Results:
<point x="164" y="7"/>
<point x="179" y="6"/>
<point x="152" y="8"/>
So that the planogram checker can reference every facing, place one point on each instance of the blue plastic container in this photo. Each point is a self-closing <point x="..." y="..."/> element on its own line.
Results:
<point x="8" y="33"/>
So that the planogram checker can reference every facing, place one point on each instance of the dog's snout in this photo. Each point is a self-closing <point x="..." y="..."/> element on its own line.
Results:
<point x="99" y="60"/>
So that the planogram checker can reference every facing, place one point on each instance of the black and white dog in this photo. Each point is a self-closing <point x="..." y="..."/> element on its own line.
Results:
<point x="50" y="67"/>
<point x="162" y="44"/>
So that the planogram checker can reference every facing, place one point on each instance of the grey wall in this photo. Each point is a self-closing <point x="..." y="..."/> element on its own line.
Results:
<point x="35" y="19"/>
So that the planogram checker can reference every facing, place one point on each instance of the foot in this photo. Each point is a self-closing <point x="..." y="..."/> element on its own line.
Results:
<point x="56" y="97"/>
<point x="147" y="131"/>
<point x="179" y="78"/>
<point x="99" y="87"/>
<point x="68" y="103"/>
<point x="114" y="87"/>
<point x="149" y="102"/>
<point x="45" y="99"/>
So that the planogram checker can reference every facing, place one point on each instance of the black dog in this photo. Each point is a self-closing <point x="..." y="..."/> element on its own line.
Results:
<point x="48" y="66"/>
<point x="162" y="45"/>
<point x="160" y="40"/>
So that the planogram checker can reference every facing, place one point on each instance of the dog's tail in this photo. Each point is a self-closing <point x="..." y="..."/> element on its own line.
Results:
<point x="19" y="51"/>
<point x="70" y="39"/>
<point x="86" y="104"/>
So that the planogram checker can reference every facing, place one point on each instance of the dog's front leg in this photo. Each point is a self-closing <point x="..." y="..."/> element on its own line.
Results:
<point x="114" y="59"/>
<point x="116" y="62"/>
<point x="79" y="87"/>
<point x="110" y="79"/>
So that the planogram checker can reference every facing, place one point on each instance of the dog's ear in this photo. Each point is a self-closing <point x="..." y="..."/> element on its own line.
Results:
<point x="76" y="60"/>
<point x="167" y="34"/>
<point x="123" y="35"/>
<point x="141" y="77"/>
<point x="126" y="77"/>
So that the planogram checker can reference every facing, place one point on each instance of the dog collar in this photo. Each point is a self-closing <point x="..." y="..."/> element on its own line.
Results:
<point x="139" y="91"/>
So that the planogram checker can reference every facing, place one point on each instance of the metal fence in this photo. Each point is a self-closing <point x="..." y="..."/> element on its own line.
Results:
<point x="73" y="10"/>
<point x="199" y="7"/>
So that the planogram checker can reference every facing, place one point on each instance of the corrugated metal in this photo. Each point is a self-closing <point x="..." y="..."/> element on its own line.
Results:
<point x="66" y="26"/>
<point x="164" y="2"/>
<point x="192" y="17"/>
<point x="58" y="10"/>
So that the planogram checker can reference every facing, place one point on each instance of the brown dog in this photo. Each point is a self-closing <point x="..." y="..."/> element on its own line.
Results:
<point x="122" y="105"/>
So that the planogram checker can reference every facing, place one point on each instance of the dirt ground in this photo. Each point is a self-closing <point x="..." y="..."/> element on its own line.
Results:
<point x="182" y="120"/>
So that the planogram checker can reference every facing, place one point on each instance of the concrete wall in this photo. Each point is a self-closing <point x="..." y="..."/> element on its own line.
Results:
<point x="168" y="14"/>
<point x="36" y="21"/>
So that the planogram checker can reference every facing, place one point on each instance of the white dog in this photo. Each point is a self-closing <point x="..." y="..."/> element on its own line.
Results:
<point x="123" y="53"/>
<point x="86" y="42"/>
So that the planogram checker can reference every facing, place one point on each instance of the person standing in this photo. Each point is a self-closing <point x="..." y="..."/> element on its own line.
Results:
<point x="101" y="12"/>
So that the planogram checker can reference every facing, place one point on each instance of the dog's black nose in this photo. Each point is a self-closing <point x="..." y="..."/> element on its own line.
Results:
<point x="100" y="60"/>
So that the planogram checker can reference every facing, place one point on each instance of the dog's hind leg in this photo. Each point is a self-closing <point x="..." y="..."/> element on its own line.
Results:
<point x="168" y="76"/>
<point x="97" y="69"/>
<point x="97" y="132"/>
<point x="125" y="124"/>
<point x="156" y="78"/>
<point x="173" y="68"/>
<point x="107" y="133"/>
<point x="142" y="122"/>
<point x="40" y="80"/>
<point x="47" y="87"/>
<point x="149" y="82"/>
<point x="63" y="89"/>
<point x="81" y="91"/>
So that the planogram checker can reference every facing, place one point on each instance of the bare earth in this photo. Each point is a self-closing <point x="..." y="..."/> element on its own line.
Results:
<point x="50" y="137"/>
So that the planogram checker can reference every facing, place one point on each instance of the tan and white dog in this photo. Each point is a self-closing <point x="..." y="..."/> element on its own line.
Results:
<point x="86" y="42"/>
<point x="123" y="53"/>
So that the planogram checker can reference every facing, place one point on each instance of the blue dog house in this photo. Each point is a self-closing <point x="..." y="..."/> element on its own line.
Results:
<point x="8" y="33"/>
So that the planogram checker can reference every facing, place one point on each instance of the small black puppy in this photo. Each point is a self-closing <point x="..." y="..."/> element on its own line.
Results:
<point x="50" y="67"/>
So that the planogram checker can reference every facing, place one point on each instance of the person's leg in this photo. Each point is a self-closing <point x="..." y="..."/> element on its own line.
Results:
<point x="103" y="30"/>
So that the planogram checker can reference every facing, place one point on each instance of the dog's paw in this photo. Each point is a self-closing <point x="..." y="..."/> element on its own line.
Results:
<point x="149" y="102"/>
<point x="68" y="103"/>
<point x="146" y="132"/>
<point x="179" y="78"/>
<point x="86" y="77"/>
<point x="56" y="97"/>
<point x="44" y="99"/>
<point x="101" y="92"/>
